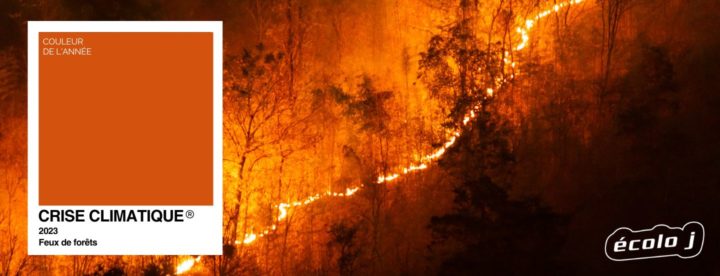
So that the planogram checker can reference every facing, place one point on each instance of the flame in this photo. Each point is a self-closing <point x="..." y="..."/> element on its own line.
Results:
<point x="186" y="265"/>
<point x="529" y="23"/>
<point x="282" y="207"/>
<point x="249" y="238"/>
<point x="424" y="161"/>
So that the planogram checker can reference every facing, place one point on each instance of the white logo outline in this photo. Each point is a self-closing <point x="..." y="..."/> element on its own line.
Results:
<point x="702" y="242"/>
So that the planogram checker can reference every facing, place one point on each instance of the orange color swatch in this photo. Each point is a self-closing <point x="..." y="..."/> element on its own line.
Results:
<point x="126" y="118"/>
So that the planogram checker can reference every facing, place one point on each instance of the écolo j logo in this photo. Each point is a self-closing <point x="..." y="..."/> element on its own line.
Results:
<point x="685" y="242"/>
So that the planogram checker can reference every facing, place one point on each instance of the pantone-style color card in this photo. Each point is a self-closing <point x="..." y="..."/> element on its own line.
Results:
<point x="124" y="138"/>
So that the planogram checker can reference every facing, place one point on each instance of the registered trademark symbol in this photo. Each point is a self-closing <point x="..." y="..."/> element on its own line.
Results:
<point x="189" y="214"/>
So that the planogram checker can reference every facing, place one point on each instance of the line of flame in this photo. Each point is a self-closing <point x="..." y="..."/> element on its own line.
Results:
<point x="424" y="162"/>
<point x="427" y="159"/>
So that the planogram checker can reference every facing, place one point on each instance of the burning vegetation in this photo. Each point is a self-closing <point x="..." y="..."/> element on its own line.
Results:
<point x="421" y="137"/>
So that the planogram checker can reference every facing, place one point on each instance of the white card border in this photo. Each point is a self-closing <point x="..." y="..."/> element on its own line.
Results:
<point x="187" y="241"/>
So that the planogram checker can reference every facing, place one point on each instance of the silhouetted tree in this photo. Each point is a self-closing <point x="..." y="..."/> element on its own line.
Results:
<point x="495" y="234"/>
<point x="342" y="238"/>
<point x="457" y="68"/>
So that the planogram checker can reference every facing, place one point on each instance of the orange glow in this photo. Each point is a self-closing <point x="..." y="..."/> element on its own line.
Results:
<point x="186" y="265"/>
<point x="282" y="207"/>
<point x="453" y="65"/>
<point x="529" y="23"/>
<point x="249" y="238"/>
<point x="423" y="162"/>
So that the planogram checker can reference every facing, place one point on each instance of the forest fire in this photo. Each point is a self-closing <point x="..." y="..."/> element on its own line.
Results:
<point x="283" y="208"/>
<point x="537" y="128"/>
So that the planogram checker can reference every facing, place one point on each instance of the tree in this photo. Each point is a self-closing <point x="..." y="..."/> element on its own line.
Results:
<point x="253" y="101"/>
<point x="343" y="239"/>
<point x="369" y="112"/>
<point x="13" y="164"/>
<point x="487" y="231"/>
<point x="457" y="71"/>
<point x="613" y="11"/>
